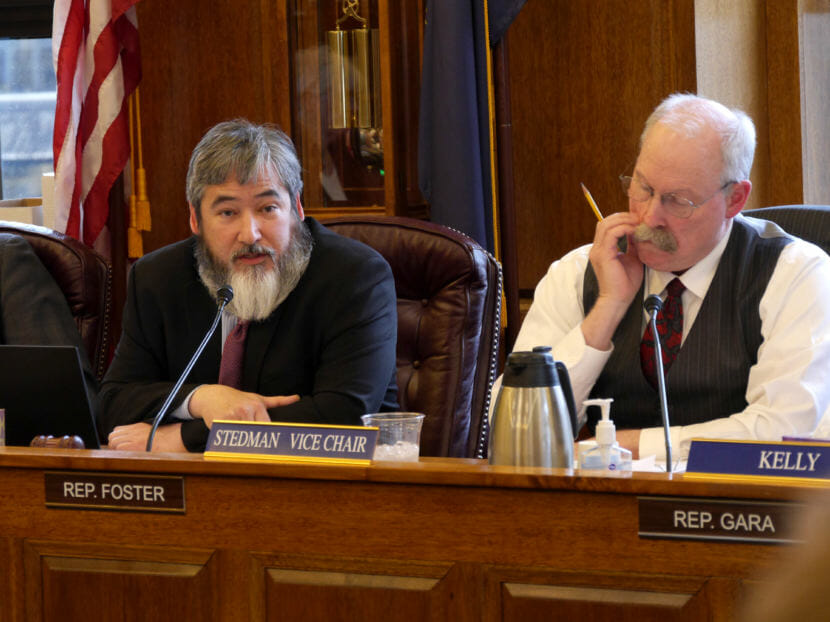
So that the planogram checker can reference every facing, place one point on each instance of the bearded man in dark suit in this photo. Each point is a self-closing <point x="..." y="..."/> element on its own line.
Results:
<point x="320" y="309"/>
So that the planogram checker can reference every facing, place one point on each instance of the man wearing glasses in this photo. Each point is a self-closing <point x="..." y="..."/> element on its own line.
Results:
<point x="746" y="317"/>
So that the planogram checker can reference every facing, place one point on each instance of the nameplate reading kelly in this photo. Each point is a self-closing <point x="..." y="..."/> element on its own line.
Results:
<point x="718" y="519"/>
<point x="752" y="459"/>
<point x="108" y="491"/>
<point x="291" y="442"/>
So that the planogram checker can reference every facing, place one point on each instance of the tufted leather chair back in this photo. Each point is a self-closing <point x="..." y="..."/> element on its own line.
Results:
<point x="84" y="277"/>
<point x="808" y="222"/>
<point x="449" y="303"/>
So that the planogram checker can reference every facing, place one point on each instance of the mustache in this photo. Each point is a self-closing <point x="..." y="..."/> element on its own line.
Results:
<point x="254" y="249"/>
<point x="661" y="238"/>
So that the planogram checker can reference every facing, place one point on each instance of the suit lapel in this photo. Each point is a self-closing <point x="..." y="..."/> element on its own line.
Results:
<point x="200" y="313"/>
<point x="260" y="336"/>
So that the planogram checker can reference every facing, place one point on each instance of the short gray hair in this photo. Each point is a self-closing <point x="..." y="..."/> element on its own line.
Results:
<point x="243" y="150"/>
<point x="689" y="114"/>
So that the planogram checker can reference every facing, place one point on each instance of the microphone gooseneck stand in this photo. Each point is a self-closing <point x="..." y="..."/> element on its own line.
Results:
<point x="653" y="304"/>
<point x="224" y="294"/>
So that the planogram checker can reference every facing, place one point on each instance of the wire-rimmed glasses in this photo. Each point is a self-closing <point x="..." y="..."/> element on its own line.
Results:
<point x="674" y="204"/>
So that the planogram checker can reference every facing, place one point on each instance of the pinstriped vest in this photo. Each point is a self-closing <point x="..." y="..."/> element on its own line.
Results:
<point x="709" y="377"/>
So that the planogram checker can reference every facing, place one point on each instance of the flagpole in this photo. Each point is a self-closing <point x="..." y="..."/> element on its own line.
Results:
<point x="491" y="119"/>
<point x="117" y="223"/>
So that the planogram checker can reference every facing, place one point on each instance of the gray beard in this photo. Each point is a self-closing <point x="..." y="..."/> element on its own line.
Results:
<point x="257" y="290"/>
<point x="663" y="240"/>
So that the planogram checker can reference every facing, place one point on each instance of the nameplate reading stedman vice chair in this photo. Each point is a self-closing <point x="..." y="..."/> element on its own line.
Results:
<point x="449" y="303"/>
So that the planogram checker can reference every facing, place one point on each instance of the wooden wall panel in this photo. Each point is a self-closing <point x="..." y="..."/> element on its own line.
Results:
<point x="583" y="78"/>
<point x="11" y="569"/>
<point x="524" y="595"/>
<point x="203" y="63"/>
<point x="322" y="588"/>
<point x="73" y="581"/>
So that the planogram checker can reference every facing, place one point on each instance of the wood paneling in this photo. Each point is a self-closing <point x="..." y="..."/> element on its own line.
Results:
<point x="629" y="599"/>
<point x="320" y="588"/>
<point x="203" y="63"/>
<point x="784" y="104"/>
<point x="208" y="62"/>
<point x="85" y="582"/>
<point x="584" y="77"/>
<point x="11" y="569"/>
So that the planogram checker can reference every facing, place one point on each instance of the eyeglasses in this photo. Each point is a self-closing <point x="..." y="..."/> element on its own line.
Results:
<point x="672" y="203"/>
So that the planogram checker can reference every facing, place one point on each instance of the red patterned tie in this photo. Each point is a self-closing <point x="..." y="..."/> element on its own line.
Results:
<point x="670" y="329"/>
<point x="230" y="369"/>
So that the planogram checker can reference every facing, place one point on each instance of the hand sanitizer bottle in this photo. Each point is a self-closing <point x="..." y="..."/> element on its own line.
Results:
<point x="607" y="454"/>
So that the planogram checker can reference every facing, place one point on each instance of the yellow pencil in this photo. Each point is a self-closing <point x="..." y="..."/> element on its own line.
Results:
<point x="591" y="201"/>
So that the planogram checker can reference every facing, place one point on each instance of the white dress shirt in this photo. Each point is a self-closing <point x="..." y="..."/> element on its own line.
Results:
<point x="787" y="390"/>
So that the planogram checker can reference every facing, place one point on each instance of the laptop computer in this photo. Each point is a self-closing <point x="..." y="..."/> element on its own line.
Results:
<point x="42" y="390"/>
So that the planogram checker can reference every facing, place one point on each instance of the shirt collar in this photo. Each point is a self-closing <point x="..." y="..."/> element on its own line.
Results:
<point x="697" y="278"/>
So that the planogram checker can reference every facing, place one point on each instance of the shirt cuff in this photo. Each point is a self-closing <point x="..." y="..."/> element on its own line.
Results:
<point x="194" y="435"/>
<point x="653" y="443"/>
<point x="182" y="413"/>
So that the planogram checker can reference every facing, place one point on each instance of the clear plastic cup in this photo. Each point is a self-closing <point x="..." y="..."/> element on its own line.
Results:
<point x="399" y="435"/>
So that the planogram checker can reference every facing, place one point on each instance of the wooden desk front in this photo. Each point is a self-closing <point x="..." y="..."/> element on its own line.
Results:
<point x="436" y="540"/>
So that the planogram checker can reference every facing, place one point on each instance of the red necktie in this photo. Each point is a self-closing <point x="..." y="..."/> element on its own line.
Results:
<point x="670" y="330"/>
<point x="230" y="369"/>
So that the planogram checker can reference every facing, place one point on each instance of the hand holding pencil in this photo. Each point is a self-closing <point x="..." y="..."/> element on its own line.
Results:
<point x="622" y="243"/>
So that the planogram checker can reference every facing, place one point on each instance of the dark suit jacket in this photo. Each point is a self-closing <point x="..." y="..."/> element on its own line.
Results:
<point x="332" y="341"/>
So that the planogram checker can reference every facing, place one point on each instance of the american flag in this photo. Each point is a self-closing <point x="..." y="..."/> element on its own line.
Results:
<point x="97" y="63"/>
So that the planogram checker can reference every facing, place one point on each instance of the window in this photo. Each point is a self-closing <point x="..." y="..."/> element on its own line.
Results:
<point x="27" y="96"/>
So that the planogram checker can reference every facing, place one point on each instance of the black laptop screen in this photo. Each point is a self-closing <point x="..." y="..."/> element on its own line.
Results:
<point x="43" y="392"/>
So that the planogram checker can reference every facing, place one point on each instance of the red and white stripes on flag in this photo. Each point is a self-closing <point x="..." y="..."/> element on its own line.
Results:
<point x="97" y="63"/>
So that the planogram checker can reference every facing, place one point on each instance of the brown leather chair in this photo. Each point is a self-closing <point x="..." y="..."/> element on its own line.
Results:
<point x="449" y="303"/>
<point x="808" y="222"/>
<point x="85" y="277"/>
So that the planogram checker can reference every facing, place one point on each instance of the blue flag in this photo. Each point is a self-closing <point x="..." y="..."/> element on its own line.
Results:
<point x="454" y="151"/>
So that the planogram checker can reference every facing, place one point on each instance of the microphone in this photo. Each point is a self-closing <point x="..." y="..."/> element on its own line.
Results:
<point x="225" y="295"/>
<point x="652" y="305"/>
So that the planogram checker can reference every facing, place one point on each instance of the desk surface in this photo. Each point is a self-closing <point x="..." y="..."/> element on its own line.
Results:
<point x="428" y="471"/>
<point x="441" y="538"/>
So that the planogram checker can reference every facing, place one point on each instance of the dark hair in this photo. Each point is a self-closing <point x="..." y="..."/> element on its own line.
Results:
<point x="242" y="150"/>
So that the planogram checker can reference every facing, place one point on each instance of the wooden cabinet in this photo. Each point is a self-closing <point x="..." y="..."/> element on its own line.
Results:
<point x="354" y="104"/>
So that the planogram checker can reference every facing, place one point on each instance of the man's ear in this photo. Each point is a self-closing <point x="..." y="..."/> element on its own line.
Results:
<point x="300" y="212"/>
<point x="737" y="197"/>
<point x="194" y="222"/>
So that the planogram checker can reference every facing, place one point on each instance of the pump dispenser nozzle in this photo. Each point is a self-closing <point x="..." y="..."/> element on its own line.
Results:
<point x="607" y="454"/>
<point x="606" y="432"/>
